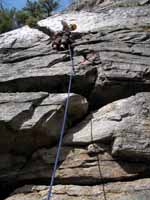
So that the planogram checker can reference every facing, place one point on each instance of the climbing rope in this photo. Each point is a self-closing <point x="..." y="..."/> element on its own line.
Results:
<point x="99" y="164"/>
<point x="62" y="134"/>
<point x="63" y="126"/>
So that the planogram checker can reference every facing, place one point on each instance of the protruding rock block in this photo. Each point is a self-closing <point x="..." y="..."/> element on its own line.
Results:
<point x="124" y="124"/>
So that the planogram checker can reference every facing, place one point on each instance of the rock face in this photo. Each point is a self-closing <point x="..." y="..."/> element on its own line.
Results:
<point x="30" y="121"/>
<point x="80" y="166"/>
<point x="35" y="118"/>
<point x="122" y="190"/>
<point x="107" y="134"/>
<point x="124" y="124"/>
<point x="98" y="5"/>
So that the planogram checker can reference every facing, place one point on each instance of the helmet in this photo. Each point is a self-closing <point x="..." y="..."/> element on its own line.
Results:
<point x="73" y="27"/>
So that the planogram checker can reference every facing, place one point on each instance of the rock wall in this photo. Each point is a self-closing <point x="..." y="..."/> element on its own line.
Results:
<point x="106" y="147"/>
<point x="99" y="5"/>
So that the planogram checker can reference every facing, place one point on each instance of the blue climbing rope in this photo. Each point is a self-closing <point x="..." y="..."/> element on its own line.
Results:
<point x="63" y="127"/>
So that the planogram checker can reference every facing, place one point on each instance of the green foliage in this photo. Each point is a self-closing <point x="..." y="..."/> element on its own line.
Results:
<point x="41" y="8"/>
<point x="6" y="20"/>
<point x="32" y="21"/>
<point x="33" y="8"/>
<point x="47" y="6"/>
<point x="38" y="10"/>
<point x="30" y="14"/>
<point x="22" y="17"/>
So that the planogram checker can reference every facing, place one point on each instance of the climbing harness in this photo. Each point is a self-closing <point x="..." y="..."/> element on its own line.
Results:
<point x="63" y="125"/>
<point x="63" y="39"/>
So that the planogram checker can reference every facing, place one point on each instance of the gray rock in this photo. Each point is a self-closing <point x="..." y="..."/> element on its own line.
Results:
<point x="123" y="67"/>
<point x="81" y="167"/>
<point x="121" y="38"/>
<point x="117" y="34"/>
<point x="31" y="120"/>
<point x="143" y="2"/>
<point x="125" y="123"/>
<point x="138" y="189"/>
<point x="105" y="5"/>
<point x="10" y="165"/>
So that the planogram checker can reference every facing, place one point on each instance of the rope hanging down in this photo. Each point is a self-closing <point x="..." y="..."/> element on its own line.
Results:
<point x="63" y="127"/>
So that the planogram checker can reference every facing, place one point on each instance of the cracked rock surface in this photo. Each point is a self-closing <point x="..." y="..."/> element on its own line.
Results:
<point x="122" y="190"/>
<point x="107" y="134"/>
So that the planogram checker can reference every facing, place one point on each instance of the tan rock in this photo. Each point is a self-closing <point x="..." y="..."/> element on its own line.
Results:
<point x="139" y="189"/>
<point x="80" y="166"/>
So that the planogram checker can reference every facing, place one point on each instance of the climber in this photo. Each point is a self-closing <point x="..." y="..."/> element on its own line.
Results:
<point x="63" y="39"/>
